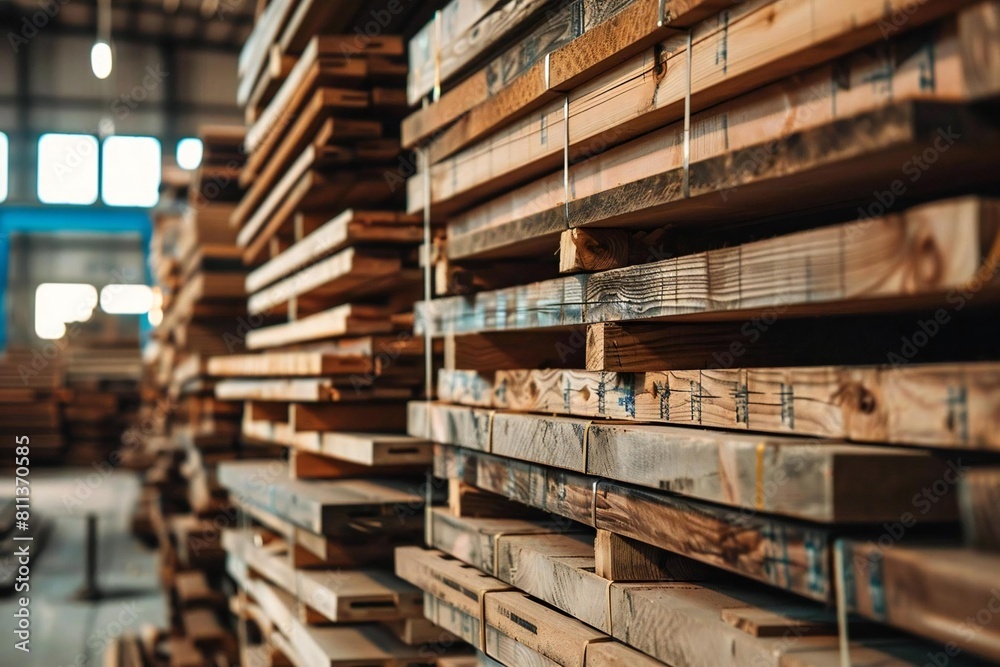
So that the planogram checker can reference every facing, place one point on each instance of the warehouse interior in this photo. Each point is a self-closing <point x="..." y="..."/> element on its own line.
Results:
<point x="485" y="333"/>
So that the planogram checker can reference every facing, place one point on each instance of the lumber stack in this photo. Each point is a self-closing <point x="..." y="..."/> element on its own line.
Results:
<point x="100" y="399"/>
<point x="714" y="292"/>
<point x="184" y="432"/>
<point x="31" y="392"/>
<point x="330" y="359"/>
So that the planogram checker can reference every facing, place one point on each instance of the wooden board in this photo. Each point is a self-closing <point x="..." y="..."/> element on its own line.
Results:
<point x="814" y="480"/>
<point x="278" y="364"/>
<point x="940" y="405"/>
<point x="739" y="50"/>
<point x="946" y="594"/>
<point x="873" y="264"/>
<point x="324" y="507"/>
<point x="342" y="320"/>
<point x="791" y="556"/>
<point x="350" y="272"/>
<point x="643" y="183"/>
<point x="979" y="497"/>
<point x="638" y="26"/>
<point x="340" y="596"/>
<point x="348" y="228"/>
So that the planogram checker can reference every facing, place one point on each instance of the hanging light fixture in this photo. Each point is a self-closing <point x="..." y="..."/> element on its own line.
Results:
<point x="100" y="53"/>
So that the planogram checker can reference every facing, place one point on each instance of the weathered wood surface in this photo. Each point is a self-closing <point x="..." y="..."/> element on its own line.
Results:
<point x="352" y="272"/>
<point x="348" y="228"/>
<point x="307" y="390"/>
<point x="287" y="364"/>
<point x="792" y="556"/>
<point x="335" y="646"/>
<point x="930" y="256"/>
<point x="342" y="320"/>
<point x="938" y="405"/>
<point x="979" y="498"/>
<point x="771" y="340"/>
<point x="740" y="50"/>
<point x="950" y="595"/>
<point x="324" y="507"/>
<point x="340" y="596"/>
<point x="630" y="31"/>
<point x="457" y="37"/>
<point x="642" y="183"/>
<point x="816" y="480"/>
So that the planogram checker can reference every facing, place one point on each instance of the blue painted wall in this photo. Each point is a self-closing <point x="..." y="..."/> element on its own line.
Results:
<point x="48" y="219"/>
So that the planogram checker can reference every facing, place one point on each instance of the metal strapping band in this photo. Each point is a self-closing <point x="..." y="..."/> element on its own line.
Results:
<point x="566" y="158"/>
<point x="687" y="120"/>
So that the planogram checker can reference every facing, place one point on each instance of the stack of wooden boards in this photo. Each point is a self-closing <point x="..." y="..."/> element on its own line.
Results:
<point x="331" y="360"/>
<point x="31" y="393"/>
<point x="184" y="431"/>
<point x="755" y="421"/>
<point x="101" y="399"/>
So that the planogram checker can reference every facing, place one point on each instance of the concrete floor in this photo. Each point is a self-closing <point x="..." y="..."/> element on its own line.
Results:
<point x="66" y="632"/>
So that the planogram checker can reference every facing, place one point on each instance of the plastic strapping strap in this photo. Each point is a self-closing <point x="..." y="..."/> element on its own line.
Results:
<point x="548" y="71"/>
<point x="586" y="448"/>
<point x="482" y="619"/>
<point x="608" y="616"/>
<point x="593" y="505"/>
<point x="759" y="486"/>
<point x="687" y="120"/>
<point x="496" y="552"/>
<point x="437" y="56"/>
<point x="428" y="513"/>
<point x="428" y="304"/>
<point x="841" y="599"/>
<point x="661" y="14"/>
<point x="566" y="158"/>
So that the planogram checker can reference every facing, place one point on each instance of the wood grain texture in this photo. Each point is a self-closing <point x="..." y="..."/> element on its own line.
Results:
<point x="942" y="405"/>
<point x="816" y="480"/>
<point x="914" y="258"/>
<point x="945" y="594"/>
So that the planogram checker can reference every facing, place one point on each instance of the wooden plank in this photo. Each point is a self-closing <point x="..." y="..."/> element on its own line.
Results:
<point x="341" y="596"/>
<point x="277" y="364"/>
<point x="815" y="480"/>
<point x="348" y="228"/>
<point x="843" y="269"/>
<point x="979" y="498"/>
<point x="342" y="320"/>
<point x="333" y="646"/>
<point x="942" y="405"/>
<point x="449" y="25"/>
<point x="946" y="594"/>
<point x="307" y="390"/>
<point x="639" y="95"/>
<point x="641" y="181"/>
<point x="636" y="27"/>
<point x="538" y="349"/>
<point x="324" y="507"/>
<point x="374" y="449"/>
<point x="306" y="465"/>
<point x="770" y="340"/>
<point x="345" y="273"/>
<point x="377" y="417"/>
<point x="791" y="556"/>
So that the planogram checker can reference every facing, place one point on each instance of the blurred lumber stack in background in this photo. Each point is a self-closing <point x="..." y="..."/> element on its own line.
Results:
<point x="331" y="359"/>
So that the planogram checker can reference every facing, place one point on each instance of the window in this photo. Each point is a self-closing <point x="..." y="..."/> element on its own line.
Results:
<point x="67" y="169"/>
<point x="57" y="304"/>
<point x="126" y="299"/>
<point x="130" y="175"/>
<point x="189" y="153"/>
<point x="4" y="158"/>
